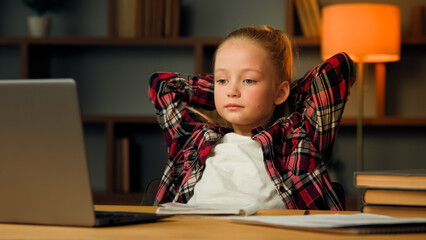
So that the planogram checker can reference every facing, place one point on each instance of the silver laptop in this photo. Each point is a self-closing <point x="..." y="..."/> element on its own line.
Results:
<point x="43" y="169"/>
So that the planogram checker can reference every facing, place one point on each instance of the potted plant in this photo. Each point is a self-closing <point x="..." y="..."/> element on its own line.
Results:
<point x="39" y="25"/>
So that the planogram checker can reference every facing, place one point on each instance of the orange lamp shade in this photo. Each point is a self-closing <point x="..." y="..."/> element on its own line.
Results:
<point x="368" y="32"/>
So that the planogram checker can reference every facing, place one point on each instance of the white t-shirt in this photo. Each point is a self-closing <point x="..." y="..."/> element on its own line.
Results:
<point x="235" y="174"/>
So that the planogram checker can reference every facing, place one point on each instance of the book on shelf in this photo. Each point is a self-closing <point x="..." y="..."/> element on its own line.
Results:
<point x="394" y="197"/>
<point x="158" y="18"/>
<point x="122" y="165"/>
<point x="171" y="21"/>
<point x="303" y="18"/>
<point x="351" y="224"/>
<point x="417" y="21"/>
<point x="316" y="16"/>
<point x="395" y="210"/>
<point x="414" y="179"/>
<point x="168" y="18"/>
<point x="139" y="18"/>
<point x="147" y="18"/>
<point x="162" y="18"/>
<point x="310" y="17"/>
<point x="308" y="12"/>
<point x="175" y="18"/>
<point x="126" y="18"/>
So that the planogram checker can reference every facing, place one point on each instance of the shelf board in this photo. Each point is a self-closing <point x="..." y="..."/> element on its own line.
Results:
<point x="107" y="41"/>
<point x="348" y="121"/>
<point x="316" y="42"/>
<point x="387" y="121"/>
<point x="180" y="41"/>
<point x="414" y="40"/>
<point x="306" y="42"/>
<point x="147" y="119"/>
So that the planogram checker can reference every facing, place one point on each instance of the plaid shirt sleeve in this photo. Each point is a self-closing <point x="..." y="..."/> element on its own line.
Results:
<point x="171" y="93"/>
<point x="322" y="96"/>
<point x="297" y="148"/>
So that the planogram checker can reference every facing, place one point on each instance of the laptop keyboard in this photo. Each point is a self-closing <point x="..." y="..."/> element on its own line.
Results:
<point x="109" y="214"/>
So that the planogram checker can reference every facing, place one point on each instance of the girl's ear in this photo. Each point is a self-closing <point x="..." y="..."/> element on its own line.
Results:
<point x="282" y="93"/>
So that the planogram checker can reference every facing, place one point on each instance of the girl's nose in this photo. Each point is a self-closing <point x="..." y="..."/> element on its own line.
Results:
<point x="233" y="90"/>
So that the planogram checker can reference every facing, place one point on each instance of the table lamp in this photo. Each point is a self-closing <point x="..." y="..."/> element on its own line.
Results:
<point x="368" y="33"/>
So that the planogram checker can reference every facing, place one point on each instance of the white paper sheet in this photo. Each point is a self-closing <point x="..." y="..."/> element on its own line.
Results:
<point x="207" y="209"/>
<point x="329" y="220"/>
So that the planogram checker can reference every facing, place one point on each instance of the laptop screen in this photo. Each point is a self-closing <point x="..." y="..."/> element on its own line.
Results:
<point x="43" y="175"/>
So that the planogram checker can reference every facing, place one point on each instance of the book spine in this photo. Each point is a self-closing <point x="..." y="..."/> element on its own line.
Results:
<point x="168" y="18"/>
<point x="158" y="18"/>
<point x="301" y="13"/>
<point x="118" y="166"/>
<point x="126" y="164"/>
<point x="122" y="165"/>
<point x="406" y="197"/>
<point x="139" y="18"/>
<point x="147" y="18"/>
<point x="175" y="18"/>
<point x="417" y="20"/>
<point x="316" y="16"/>
<point x="126" y="18"/>
<point x="391" y="180"/>
<point x="310" y="18"/>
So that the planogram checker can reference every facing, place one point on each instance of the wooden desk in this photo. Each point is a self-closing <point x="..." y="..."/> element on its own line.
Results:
<point x="179" y="228"/>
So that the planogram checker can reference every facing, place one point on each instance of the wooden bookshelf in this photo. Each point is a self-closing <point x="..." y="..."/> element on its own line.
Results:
<point x="111" y="41"/>
<point x="203" y="48"/>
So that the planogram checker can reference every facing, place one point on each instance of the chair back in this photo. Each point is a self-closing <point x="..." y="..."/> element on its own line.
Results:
<point x="340" y="192"/>
<point x="148" y="198"/>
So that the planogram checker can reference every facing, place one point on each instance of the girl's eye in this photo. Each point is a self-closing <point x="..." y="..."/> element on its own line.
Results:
<point x="221" y="81"/>
<point x="248" y="81"/>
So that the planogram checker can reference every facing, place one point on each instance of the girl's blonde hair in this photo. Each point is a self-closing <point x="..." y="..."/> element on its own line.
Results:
<point x="278" y="46"/>
<point x="275" y="42"/>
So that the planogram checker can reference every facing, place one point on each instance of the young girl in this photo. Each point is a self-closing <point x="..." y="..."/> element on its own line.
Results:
<point x="268" y="143"/>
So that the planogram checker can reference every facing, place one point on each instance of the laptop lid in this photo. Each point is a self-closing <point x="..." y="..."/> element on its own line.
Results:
<point x="43" y="169"/>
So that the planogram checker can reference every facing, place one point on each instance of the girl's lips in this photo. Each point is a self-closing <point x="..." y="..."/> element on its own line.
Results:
<point x="233" y="106"/>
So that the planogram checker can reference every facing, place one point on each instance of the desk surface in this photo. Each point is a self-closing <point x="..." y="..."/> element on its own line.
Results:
<point x="179" y="228"/>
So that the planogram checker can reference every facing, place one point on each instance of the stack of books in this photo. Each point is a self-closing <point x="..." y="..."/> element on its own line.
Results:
<point x="147" y="18"/>
<point x="394" y="193"/>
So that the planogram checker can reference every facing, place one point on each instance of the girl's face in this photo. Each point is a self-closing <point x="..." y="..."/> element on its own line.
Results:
<point x="246" y="88"/>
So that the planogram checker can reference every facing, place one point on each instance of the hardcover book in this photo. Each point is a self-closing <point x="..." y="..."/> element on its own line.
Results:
<point x="395" y="211"/>
<point x="398" y="179"/>
<point x="394" y="197"/>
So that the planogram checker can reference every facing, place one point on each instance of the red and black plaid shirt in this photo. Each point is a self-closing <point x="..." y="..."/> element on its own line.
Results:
<point x="295" y="148"/>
